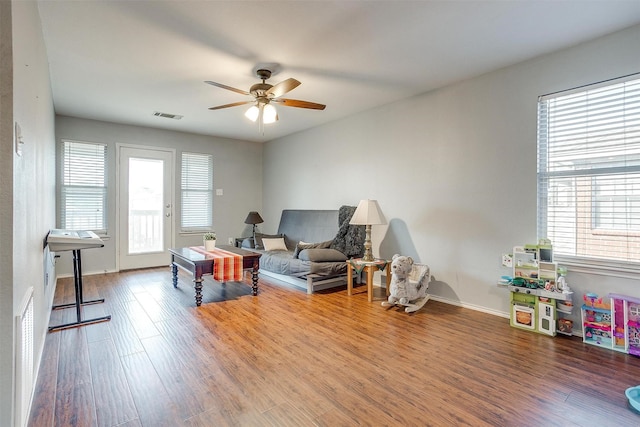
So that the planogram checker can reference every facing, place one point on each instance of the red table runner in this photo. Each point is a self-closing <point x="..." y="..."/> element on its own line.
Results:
<point x="227" y="266"/>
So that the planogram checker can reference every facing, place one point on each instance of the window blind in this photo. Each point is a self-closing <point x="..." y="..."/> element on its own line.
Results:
<point x="589" y="171"/>
<point x="83" y="191"/>
<point x="197" y="192"/>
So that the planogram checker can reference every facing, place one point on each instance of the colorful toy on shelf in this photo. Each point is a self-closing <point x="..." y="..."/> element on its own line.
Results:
<point x="612" y="322"/>
<point x="527" y="283"/>
<point x="633" y="326"/>
<point x="596" y="322"/>
<point x="618" y="323"/>
<point x="592" y="300"/>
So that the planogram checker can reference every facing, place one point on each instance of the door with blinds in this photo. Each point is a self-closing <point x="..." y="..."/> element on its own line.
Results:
<point x="145" y="207"/>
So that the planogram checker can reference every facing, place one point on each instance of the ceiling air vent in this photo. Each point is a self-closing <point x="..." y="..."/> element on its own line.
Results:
<point x="167" y="115"/>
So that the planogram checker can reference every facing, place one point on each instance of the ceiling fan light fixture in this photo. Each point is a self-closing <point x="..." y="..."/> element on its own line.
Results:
<point x="252" y="113"/>
<point x="269" y="115"/>
<point x="261" y="110"/>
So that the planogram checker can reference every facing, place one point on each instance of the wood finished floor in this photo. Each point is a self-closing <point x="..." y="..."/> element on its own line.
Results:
<point x="285" y="358"/>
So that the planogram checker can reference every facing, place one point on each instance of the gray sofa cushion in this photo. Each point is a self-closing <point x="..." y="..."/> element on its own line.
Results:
<point x="301" y="246"/>
<point x="322" y="255"/>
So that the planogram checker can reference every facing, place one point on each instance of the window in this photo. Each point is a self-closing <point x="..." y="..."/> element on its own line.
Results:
<point x="197" y="192"/>
<point x="83" y="192"/>
<point x="589" y="173"/>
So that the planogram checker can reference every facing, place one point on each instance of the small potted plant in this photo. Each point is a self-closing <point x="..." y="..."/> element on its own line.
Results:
<point x="209" y="240"/>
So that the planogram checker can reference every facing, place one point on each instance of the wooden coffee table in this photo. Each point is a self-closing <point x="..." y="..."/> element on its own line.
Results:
<point x="199" y="264"/>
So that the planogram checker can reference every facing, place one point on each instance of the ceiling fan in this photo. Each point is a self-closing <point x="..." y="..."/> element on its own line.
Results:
<point x="264" y="95"/>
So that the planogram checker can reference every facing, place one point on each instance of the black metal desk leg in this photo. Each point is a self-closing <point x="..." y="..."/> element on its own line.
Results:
<point x="77" y="284"/>
<point x="77" y="278"/>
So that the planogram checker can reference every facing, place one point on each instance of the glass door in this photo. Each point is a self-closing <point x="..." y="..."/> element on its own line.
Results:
<point x="145" y="207"/>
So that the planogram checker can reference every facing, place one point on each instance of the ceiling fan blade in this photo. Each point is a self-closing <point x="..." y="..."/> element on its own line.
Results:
<point x="235" y="104"/>
<point x="299" y="104"/>
<point x="233" y="89"/>
<point x="282" y="88"/>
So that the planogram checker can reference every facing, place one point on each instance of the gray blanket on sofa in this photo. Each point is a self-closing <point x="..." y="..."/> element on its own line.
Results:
<point x="350" y="238"/>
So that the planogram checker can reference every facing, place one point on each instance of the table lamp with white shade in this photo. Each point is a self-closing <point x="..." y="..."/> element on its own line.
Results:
<point x="367" y="213"/>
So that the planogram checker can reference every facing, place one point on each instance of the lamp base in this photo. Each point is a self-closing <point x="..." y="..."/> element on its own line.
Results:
<point x="368" y="255"/>
<point x="368" y="258"/>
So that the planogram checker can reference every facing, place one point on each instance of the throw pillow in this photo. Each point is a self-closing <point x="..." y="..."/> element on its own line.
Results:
<point x="303" y="245"/>
<point x="260" y="236"/>
<point x="276" y="244"/>
<point x="322" y="255"/>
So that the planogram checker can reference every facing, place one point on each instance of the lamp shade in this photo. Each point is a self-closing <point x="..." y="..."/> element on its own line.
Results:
<point x="269" y="114"/>
<point x="367" y="213"/>
<point x="253" y="218"/>
<point x="252" y="113"/>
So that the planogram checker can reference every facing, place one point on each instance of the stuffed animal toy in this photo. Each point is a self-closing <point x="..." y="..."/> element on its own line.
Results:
<point x="403" y="289"/>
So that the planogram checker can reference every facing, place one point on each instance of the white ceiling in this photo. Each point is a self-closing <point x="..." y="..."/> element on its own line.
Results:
<point x="122" y="60"/>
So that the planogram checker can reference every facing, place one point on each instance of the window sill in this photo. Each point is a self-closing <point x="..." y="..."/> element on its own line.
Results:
<point x="193" y="233"/>
<point x="626" y="270"/>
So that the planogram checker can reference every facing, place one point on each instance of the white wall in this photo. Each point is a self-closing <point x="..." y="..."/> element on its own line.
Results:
<point x="237" y="169"/>
<point x="28" y="184"/>
<point x="454" y="170"/>
<point x="6" y="214"/>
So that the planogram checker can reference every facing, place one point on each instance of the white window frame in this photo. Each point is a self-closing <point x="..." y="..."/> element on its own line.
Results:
<point x="83" y="171"/>
<point x="196" y="192"/>
<point x="586" y="135"/>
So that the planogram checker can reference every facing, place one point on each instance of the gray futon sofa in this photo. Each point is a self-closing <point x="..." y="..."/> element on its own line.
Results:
<point x="311" y="248"/>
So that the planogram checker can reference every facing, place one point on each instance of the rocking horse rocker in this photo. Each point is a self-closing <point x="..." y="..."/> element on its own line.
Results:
<point x="409" y="283"/>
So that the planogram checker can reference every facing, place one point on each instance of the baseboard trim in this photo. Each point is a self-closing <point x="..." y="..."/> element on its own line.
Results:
<point x="470" y="306"/>
<point x="90" y="273"/>
<point x="498" y="313"/>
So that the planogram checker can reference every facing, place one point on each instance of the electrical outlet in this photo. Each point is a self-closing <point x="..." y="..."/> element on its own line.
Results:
<point x="507" y="260"/>
<point x="231" y="240"/>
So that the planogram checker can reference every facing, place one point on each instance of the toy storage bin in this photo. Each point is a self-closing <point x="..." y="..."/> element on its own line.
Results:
<point x="565" y="326"/>
<point x="565" y="306"/>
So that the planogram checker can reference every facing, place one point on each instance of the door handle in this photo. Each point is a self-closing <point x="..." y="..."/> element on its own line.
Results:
<point x="168" y="214"/>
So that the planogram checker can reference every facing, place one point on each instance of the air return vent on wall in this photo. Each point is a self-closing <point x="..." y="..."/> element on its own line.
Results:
<point x="24" y="359"/>
<point x="167" y="115"/>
